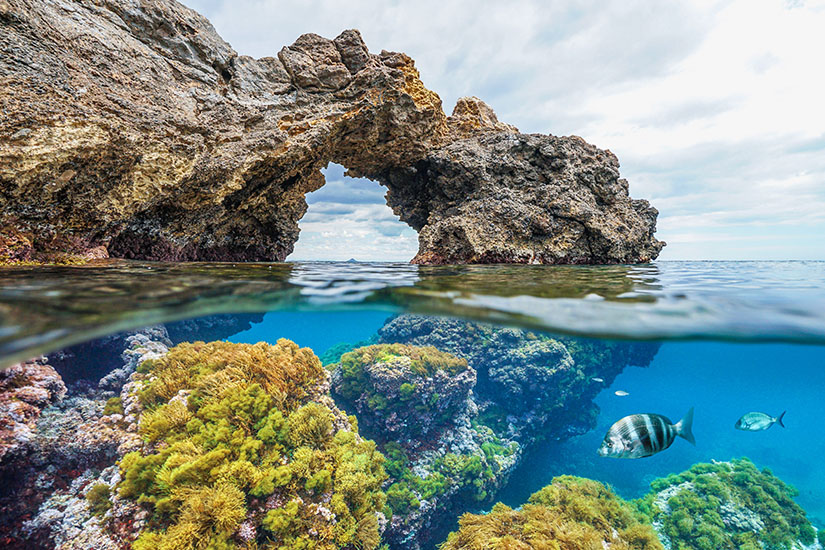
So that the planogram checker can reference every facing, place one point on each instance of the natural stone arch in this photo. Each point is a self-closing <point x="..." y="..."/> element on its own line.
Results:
<point x="132" y="129"/>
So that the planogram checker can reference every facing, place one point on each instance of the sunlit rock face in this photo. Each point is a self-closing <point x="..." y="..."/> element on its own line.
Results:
<point x="132" y="129"/>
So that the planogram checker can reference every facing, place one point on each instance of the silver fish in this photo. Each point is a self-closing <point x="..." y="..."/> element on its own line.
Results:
<point x="756" y="422"/>
<point x="599" y="380"/>
<point x="641" y="435"/>
<point x="621" y="393"/>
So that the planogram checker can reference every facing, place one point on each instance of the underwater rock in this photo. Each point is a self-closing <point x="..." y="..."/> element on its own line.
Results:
<point x="211" y="327"/>
<point x="728" y="505"/>
<point x="242" y="446"/>
<point x="112" y="357"/>
<point x="86" y="431"/>
<point x="571" y="513"/>
<point x="417" y="403"/>
<point x="530" y="385"/>
<point x="132" y="129"/>
<point x="402" y="392"/>
<point x="25" y="390"/>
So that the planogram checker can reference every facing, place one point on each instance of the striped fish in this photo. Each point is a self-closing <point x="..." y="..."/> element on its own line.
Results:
<point x="641" y="435"/>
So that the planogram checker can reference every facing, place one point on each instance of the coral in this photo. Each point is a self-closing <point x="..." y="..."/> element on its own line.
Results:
<point x="727" y="505"/>
<point x="569" y="514"/>
<point x="242" y="444"/>
<point x="156" y="140"/>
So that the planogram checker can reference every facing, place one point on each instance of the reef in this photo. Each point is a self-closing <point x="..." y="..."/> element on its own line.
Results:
<point x="531" y="385"/>
<point x="417" y="403"/>
<point x="221" y="445"/>
<point x="717" y="506"/>
<point x="728" y="505"/>
<point x="132" y="130"/>
<point x="241" y="447"/>
<point x="454" y="404"/>
<point x="25" y="390"/>
<point x="72" y="436"/>
<point x="571" y="513"/>
<point x="403" y="392"/>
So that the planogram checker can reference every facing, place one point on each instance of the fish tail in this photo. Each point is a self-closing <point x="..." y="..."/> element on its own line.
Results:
<point x="684" y="428"/>
<point x="781" y="416"/>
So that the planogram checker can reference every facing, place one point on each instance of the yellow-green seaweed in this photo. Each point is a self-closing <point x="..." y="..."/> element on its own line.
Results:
<point x="242" y="434"/>
<point x="571" y="513"/>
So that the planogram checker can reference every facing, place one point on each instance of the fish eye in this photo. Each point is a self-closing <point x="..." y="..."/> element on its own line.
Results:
<point x="609" y="443"/>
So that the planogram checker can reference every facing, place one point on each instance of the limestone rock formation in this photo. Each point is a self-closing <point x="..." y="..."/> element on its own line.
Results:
<point x="130" y="128"/>
<point x="529" y="384"/>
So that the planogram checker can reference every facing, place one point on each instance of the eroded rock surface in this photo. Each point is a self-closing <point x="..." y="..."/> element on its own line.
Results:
<point x="131" y="129"/>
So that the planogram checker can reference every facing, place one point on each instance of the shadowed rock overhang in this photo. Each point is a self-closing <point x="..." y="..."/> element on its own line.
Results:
<point x="131" y="129"/>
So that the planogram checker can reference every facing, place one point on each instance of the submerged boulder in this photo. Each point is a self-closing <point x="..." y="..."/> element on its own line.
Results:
<point x="25" y="390"/>
<point x="530" y="385"/>
<point x="403" y="392"/>
<point x="729" y="505"/>
<point x="132" y="130"/>
<point x="417" y="402"/>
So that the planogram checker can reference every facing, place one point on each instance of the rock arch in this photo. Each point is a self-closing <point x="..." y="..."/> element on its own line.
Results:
<point x="132" y="129"/>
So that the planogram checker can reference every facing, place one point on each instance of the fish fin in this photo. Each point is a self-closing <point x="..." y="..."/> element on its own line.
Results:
<point x="684" y="428"/>
<point x="781" y="416"/>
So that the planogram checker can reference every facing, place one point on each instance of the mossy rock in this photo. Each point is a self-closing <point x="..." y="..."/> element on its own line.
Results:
<point x="728" y="506"/>
<point x="571" y="513"/>
<point x="243" y="449"/>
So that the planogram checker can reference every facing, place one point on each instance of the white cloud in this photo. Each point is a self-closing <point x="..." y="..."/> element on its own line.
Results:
<point x="714" y="107"/>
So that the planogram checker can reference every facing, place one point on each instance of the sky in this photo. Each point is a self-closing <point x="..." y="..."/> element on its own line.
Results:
<point x="715" y="108"/>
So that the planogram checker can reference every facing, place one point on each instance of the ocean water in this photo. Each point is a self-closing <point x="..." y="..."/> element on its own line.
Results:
<point x="725" y="338"/>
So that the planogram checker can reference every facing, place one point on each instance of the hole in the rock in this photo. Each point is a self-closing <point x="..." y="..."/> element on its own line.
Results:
<point x="348" y="218"/>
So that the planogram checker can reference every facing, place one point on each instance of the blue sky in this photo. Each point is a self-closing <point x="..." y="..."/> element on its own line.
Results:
<point x="715" y="108"/>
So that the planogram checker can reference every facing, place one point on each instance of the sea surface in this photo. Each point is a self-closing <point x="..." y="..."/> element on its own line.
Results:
<point x="733" y="337"/>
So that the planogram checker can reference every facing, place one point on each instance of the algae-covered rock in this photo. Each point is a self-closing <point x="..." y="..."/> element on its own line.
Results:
<point x="727" y="506"/>
<point x="243" y="446"/>
<point x="400" y="391"/>
<point x="530" y="385"/>
<point x="417" y="402"/>
<point x="569" y="514"/>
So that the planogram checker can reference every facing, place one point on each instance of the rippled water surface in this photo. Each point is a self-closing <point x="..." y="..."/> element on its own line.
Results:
<point x="43" y="309"/>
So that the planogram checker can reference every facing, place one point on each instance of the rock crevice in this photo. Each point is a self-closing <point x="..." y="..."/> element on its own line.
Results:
<point x="133" y="126"/>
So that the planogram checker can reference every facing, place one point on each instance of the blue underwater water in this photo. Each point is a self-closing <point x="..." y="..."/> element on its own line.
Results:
<point x="722" y="381"/>
<point x="318" y="331"/>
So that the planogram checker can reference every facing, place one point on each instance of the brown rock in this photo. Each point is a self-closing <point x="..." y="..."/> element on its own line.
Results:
<point x="25" y="389"/>
<point x="133" y="125"/>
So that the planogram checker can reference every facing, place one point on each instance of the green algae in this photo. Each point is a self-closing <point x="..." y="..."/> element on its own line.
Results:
<point x="98" y="498"/>
<point x="569" y="514"/>
<point x="728" y="505"/>
<point x="113" y="406"/>
<point x="238" y="433"/>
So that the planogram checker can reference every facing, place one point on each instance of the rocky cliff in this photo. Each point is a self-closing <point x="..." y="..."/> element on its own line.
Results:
<point x="131" y="129"/>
